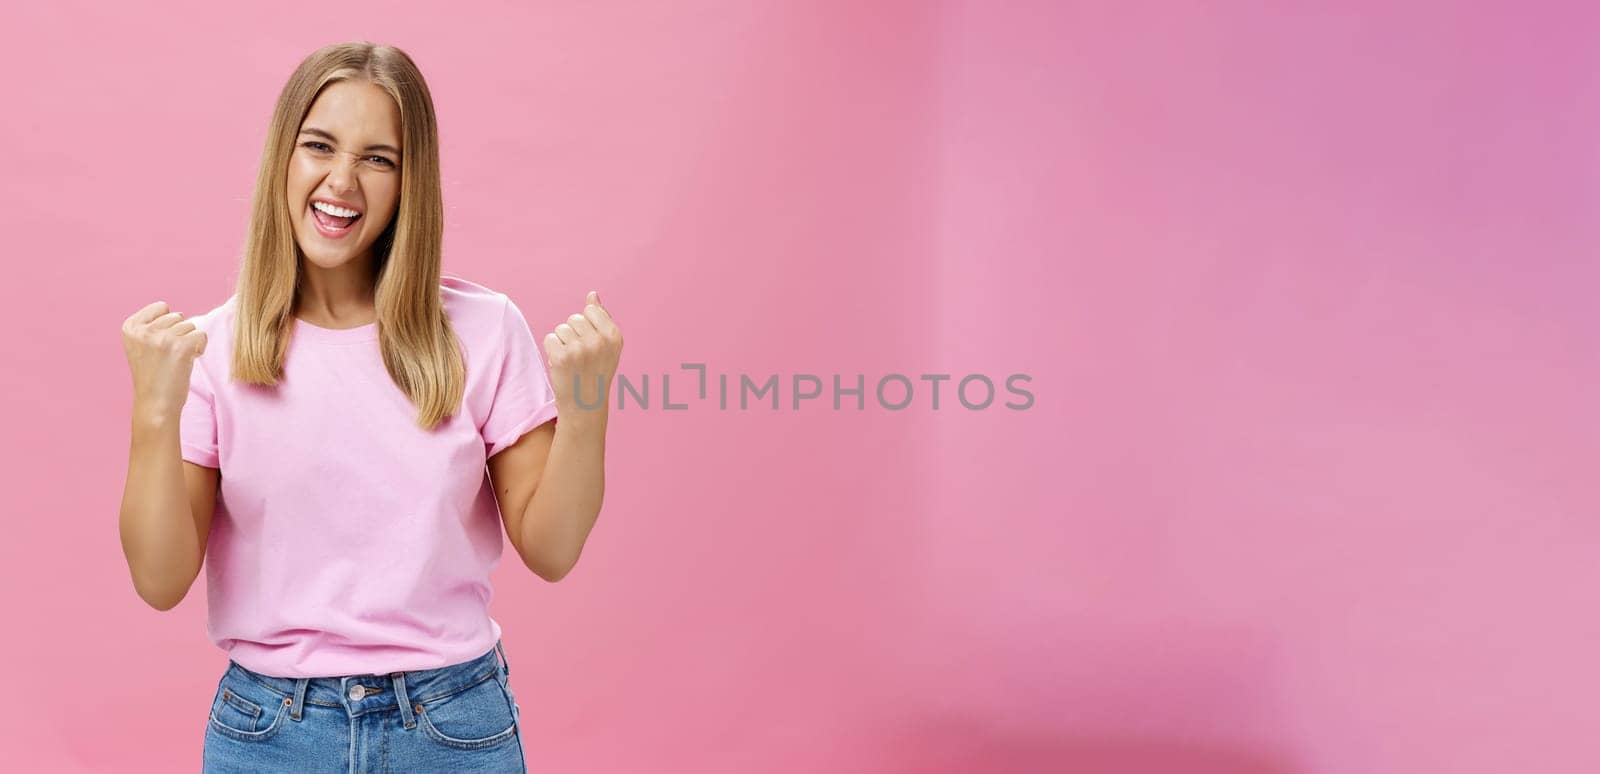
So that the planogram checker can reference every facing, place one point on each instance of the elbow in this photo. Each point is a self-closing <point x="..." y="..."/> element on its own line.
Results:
<point x="552" y="574"/>
<point x="550" y="569"/>
<point x="161" y="594"/>
<point x="164" y="605"/>
<point x="159" y="599"/>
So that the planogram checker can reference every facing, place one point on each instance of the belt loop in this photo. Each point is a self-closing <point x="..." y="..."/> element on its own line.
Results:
<point x="406" y="716"/>
<point x="299" y="697"/>
<point x="504" y="664"/>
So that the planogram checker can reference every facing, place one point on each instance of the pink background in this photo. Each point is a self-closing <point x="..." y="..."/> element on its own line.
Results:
<point x="1309" y="483"/>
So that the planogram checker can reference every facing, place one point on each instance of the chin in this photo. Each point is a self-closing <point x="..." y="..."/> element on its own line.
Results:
<point x="327" y="259"/>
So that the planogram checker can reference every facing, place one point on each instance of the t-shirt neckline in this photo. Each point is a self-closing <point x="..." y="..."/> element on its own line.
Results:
<point x="310" y="332"/>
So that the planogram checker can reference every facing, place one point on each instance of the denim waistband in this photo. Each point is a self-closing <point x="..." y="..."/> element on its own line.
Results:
<point x="364" y="693"/>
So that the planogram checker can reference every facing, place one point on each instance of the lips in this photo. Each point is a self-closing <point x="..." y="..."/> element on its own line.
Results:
<point x="332" y="226"/>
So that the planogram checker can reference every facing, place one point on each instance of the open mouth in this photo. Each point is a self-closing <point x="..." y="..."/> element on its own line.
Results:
<point x="333" y="222"/>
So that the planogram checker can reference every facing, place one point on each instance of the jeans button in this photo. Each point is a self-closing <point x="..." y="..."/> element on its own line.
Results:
<point x="357" y="691"/>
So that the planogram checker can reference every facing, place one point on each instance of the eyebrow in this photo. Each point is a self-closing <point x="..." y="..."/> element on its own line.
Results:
<point x="320" y="133"/>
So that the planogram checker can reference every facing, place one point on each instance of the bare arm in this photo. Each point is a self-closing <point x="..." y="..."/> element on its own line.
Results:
<point x="167" y="501"/>
<point x="165" y="521"/>
<point x="552" y="481"/>
<point x="550" y="485"/>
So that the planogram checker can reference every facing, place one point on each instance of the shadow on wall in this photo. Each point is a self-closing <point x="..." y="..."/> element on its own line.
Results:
<point x="1173" y="695"/>
<point x="956" y="749"/>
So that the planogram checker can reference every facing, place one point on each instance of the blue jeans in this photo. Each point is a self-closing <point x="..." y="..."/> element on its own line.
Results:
<point x="461" y="717"/>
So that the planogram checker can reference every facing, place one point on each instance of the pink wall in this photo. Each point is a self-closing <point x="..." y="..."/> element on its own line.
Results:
<point x="1307" y="485"/>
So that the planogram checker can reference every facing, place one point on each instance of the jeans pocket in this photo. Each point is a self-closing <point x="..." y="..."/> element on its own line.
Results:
<point x="245" y="710"/>
<point x="474" y="718"/>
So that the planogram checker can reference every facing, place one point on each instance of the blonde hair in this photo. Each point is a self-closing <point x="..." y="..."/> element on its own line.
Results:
<point x="418" y="344"/>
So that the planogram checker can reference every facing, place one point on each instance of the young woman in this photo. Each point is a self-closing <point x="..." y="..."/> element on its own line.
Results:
<point x="324" y="457"/>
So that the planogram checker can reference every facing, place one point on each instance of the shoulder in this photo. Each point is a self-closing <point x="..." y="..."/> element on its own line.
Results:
<point x="217" y="324"/>
<point x="483" y="318"/>
<point x="472" y="303"/>
<point x="218" y="319"/>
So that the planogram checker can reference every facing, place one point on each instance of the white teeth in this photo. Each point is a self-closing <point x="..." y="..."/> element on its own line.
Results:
<point x="332" y="210"/>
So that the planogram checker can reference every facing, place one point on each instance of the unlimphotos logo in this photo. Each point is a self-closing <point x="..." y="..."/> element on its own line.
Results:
<point x="892" y="392"/>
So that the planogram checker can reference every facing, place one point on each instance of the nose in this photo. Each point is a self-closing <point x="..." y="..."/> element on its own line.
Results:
<point x="342" y="177"/>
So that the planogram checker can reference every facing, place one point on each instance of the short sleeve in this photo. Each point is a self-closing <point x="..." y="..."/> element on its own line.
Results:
<point x="523" y="398"/>
<point x="197" y="424"/>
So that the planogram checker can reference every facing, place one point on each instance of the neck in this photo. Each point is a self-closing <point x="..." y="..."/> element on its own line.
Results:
<point x="341" y="294"/>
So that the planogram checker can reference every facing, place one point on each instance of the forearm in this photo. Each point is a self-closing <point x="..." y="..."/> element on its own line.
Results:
<point x="567" y="501"/>
<point x="158" y="532"/>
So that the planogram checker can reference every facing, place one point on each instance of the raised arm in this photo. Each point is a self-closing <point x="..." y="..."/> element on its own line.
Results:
<point x="167" y="501"/>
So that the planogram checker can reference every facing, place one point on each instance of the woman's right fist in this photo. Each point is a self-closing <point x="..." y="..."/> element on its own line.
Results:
<point x="161" y="348"/>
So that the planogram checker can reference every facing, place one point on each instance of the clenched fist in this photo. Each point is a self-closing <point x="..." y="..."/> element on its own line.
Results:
<point x="161" y="348"/>
<point x="584" y="349"/>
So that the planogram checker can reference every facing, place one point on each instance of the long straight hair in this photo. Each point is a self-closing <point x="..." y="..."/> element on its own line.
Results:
<point x="418" y="344"/>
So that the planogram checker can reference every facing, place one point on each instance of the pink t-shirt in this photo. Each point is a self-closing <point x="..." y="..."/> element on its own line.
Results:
<point x="346" y="539"/>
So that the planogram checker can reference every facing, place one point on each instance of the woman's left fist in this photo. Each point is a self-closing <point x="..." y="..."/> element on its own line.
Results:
<point x="583" y="352"/>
